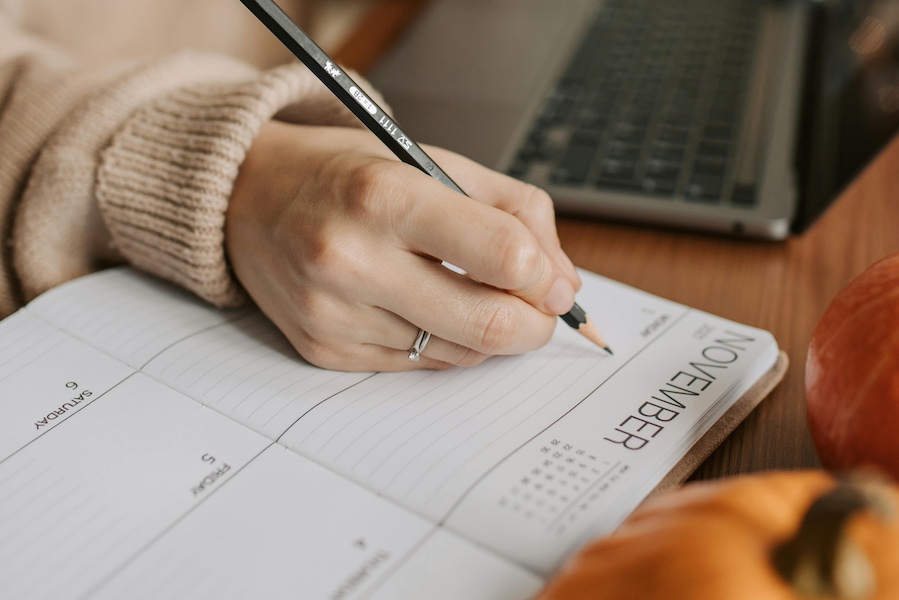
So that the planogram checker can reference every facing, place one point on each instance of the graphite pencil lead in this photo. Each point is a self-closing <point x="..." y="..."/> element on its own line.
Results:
<point x="589" y="331"/>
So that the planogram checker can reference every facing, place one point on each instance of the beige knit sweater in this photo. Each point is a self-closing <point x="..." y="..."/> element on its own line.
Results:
<point x="122" y="127"/>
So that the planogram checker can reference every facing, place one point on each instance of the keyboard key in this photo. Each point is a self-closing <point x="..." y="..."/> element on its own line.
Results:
<point x="711" y="149"/>
<point x="662" y="169"/>
<point x="586" y="138"/>
<point x="636" y="114"/>
<point x="625" y="132"/>
<point x="666" y="152"/>
<point x="532" y="147"/>
<point x="693" y="72"/>
<point x="657" y="186"/>
<point x="718" y="132"/>
<point x="602" y="102"/>
<point x="618" y="169"/>
<point x="744" y="195"/>
<point x="709" y="166"/>
<point x="625" y="185"/>
<point x="519" y="168"/>
<point x="589" y="118"/>
<point x="704" y="188"/>
<point x="574" y="166"/>
<point x="726" y="97"/>
<point x="684" y="99"/>
<point x="620" y="174"/>
<point x="672" y="136"/>
<point x="623" y="151"/>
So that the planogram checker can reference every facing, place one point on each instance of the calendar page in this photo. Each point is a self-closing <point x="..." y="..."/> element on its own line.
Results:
<point x="513" y="463"/>
<point x="581" y="475"/>
<point x="530" y="455"/>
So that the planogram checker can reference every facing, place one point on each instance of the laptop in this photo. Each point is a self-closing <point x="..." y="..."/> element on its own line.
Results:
<point x="741" y="117"/>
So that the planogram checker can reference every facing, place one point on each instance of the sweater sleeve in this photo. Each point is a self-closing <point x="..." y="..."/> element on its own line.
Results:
<point x="130" y="162"/>
<point x="39" y="87"/>
<point x="165" y="180"/>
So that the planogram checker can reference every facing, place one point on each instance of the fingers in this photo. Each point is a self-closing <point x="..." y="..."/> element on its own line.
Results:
<point x="519" y="266"/>
<point x="361" y="338"/>
<point x="400" y="334"/>
<point x="388" y="332"/>
<point x="468" y="322"/>
<point x="331" y="245"/>
<point x="473" y="318"/>
<point x="492" y="246"/>
<point x="529" y="204"/>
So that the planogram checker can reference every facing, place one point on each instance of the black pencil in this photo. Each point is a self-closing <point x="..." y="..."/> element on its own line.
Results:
<point x="375" y="119"/>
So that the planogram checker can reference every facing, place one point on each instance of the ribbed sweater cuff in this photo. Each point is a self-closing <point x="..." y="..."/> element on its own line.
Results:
<point x="165" y="180"/>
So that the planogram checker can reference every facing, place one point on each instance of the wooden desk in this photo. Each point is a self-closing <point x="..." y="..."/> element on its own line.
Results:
<point x="783" y="287"/>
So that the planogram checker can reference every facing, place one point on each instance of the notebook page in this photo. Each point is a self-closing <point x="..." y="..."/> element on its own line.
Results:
<point x="440" y="443"/>
<point x="235" y="362"/>
<point x="46" y="377"/>
<point x="305" y="533"/>
<point x="126" y="314"/>
<point x="582" y="475"/>
<point x="113" y="482"/>
<point x="424" y="438"/>
<point x="83" y="498"/>
<point x="526" y="454"/>
<point x="248" y="371"/>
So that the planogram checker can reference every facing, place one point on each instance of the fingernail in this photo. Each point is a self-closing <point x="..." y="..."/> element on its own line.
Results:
<point x="561" y="297"/>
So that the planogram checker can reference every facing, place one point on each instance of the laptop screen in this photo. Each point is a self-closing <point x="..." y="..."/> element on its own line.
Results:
<point x="851" y="107"/>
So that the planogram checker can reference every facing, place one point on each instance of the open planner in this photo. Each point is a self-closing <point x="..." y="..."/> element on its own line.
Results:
<point x="154" y="447"/>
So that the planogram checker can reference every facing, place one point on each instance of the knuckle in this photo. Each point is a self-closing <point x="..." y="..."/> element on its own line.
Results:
<point x="469" y="357"/>
<point x="540" y="202"/>
<point x="310" y="348"/>
<point x="520" y="256"/>
<point x="332" y="259"/>
<point x="321" y="355"/>
<point x="314" y="312"/>
<point x="493" y="325"/>
<point x="366" y="189"/>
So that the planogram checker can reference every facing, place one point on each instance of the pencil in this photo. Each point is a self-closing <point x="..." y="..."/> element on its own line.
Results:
<point x="376" y="120"/>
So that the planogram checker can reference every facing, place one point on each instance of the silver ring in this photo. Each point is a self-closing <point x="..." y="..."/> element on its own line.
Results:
<point x="421" y="340"/>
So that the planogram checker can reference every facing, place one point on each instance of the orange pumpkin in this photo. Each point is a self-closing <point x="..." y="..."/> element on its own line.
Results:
<point x="852" y="373"/>
<point x="755" y="537"/>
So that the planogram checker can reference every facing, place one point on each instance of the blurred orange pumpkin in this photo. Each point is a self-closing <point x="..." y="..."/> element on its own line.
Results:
<point x="753" y="537"/>
<point x="852" y="373"/>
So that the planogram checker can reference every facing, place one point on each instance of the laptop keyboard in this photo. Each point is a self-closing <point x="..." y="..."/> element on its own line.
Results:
<point x="651" y="103"/>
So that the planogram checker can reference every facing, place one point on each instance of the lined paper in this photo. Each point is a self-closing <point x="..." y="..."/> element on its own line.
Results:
<point x="425" y="438"/>
<point x="513" y="454"/>
<point x="571" y="481"/>
<point x="247" y="370"/>
<point x="127" y="314"/>
<point x="47" y="377"/>
<point x="235" y="362"/>
<point x="304" y="532"/>
<point x="84" y="499"/>
<point x="24" y="340"/>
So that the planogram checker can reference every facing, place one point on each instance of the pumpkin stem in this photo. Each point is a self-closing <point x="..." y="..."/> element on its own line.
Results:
<point x="820" y="561"/>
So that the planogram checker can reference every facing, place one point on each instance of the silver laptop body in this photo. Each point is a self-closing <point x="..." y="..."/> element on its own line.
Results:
<point x="478" y="76"/>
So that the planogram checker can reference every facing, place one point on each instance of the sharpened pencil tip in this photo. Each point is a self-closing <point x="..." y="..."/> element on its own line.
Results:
<point x="609" y="350"/>
<point x="589" y="331"/>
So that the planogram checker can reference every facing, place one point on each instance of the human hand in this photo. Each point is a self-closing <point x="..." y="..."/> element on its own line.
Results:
<point x="340" y="245"/>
